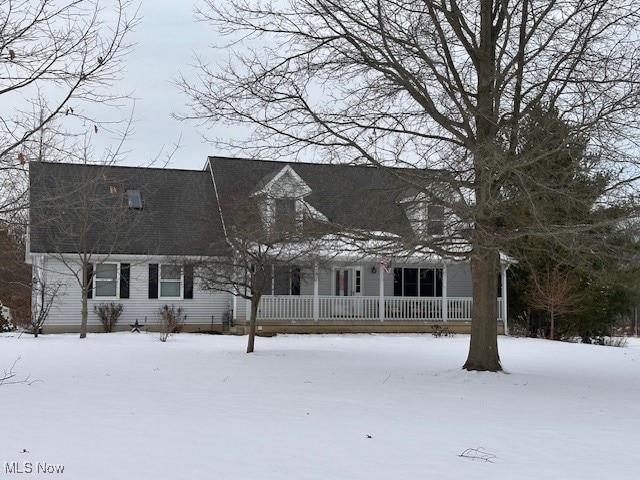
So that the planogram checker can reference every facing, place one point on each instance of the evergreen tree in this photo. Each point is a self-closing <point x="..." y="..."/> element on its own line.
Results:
<point x="565" y="284"/>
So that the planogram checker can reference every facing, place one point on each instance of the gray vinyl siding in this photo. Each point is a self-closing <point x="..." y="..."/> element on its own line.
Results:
<point x="459" y="280"/>
<point x="306" y="281"/>
<point x="372" y="282"/>
<point x="67" y="308"/>
<point x="241" y="308"/>
<point x="324" y="282"/>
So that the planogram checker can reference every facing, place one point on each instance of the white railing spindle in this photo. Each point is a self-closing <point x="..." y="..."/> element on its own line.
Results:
<point x="336" y="309"/>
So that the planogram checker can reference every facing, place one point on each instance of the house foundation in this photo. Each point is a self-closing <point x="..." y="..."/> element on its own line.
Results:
<point x="357" y="327"/>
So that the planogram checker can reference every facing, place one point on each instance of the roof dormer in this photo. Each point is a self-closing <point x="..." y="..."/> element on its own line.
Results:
<point x="281" y="201"/>
<point x="284" y="183"/>
<point x="426" y="218"/>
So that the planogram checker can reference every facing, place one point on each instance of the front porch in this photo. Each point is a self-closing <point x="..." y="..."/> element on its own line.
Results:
<point x="331" y="314"/>
<point x="369" y="298"/>
<point x="308" y="308"/>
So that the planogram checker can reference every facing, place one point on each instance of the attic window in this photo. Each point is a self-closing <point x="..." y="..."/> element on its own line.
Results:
<point x="435" y="220"/>
<point x="285" y="215"/>
<point x="134" y="199"/>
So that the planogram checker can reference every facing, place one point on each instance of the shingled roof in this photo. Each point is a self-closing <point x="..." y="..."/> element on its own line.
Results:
<point x="178" y="215"/>
<point x="358" y="197"/>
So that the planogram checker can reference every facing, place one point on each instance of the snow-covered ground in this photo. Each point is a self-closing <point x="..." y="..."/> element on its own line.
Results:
<point x="127" y="406"/>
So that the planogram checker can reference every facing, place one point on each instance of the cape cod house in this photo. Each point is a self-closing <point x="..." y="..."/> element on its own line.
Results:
<point x="143" y="257"/>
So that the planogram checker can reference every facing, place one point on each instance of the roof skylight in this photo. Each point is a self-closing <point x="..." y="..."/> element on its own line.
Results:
<point x="134" y="199"/>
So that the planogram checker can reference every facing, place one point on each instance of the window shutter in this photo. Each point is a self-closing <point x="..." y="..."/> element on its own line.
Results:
<point x="153" y="280"/>
<point x="188" y="281"/>
<point x="125" y="277"/>
<point x="90" y="280"/>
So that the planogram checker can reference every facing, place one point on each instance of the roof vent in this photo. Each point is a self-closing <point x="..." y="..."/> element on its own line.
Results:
<point x="134" y="199"/>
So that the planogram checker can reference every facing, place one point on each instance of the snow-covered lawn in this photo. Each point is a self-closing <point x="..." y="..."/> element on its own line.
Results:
<point x="126" y="406"/>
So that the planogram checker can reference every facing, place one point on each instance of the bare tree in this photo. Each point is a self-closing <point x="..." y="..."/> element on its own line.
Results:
<point x="80" y="215"/>
<point x="44" y="296"/>
<point x="252" y="251"/>
<point x="68" y="52"/>
<point x="441" y="87"/>
<point x="8" y="376"/>
<point x="554" y="292"/>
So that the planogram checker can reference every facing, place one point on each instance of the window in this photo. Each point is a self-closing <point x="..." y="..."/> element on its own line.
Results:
<point x="134" y="199"/>
<point x="435" y="220"/>
<point x="285" y="220"/>
<point x="170" y="281"/>
<point x="425" y="219"/>
<point x="430" y="282"/>
<point x="109" y="280"/>
<point x="105" y="280"/>
<point x="286" y="280"/>
<point x="417" y="282"/>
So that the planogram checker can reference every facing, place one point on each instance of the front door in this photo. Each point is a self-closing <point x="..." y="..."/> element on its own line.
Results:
<point x="347" y="284"/>
<point x="347" y="281"/>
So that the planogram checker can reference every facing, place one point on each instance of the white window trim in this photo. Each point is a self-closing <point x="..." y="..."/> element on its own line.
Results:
<point x="353" y="269"/>
<point x="95" y="280"/>
<point x="160" y="282"/>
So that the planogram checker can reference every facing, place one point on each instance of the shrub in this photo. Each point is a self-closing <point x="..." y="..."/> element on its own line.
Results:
<point x="5" y="323"/>
<point x="520" y="326"/>
<point x="440" y="331"/>
<point x="171" y="320"/>
<point x="109" y="313"/>
<point x="609" y="341"/>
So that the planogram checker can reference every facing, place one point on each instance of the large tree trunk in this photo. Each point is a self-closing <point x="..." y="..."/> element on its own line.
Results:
<point x="255" y="302"/>
<point x="485" y="259"/>
<point x="483" y="346"/>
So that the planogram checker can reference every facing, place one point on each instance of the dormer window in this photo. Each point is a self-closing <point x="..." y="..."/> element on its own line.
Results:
<point x="281" y="202"/>
<point x="285" y="214"/>
<point x="425" y="218"/>
<point x="435" y="220"/>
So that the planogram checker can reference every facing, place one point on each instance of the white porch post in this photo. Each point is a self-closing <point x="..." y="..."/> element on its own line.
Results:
<point x="381" y="293"/>
<point x="316" y="293"/>
<point x="503" y="272"/>
<point x="445" y="294"/>
<point x="234" y="307"/>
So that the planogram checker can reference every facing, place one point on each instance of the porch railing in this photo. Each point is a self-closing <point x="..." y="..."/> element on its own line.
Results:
<point x="329" y="308"/>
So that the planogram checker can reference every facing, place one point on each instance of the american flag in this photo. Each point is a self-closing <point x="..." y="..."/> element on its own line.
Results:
<point x="385" y="265"/>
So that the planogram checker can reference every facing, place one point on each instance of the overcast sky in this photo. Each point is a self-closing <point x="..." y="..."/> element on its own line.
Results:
<point x="165" y="41"/>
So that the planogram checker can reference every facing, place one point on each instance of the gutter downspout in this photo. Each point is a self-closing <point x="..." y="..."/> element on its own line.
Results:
<point x="504" y="299"/>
